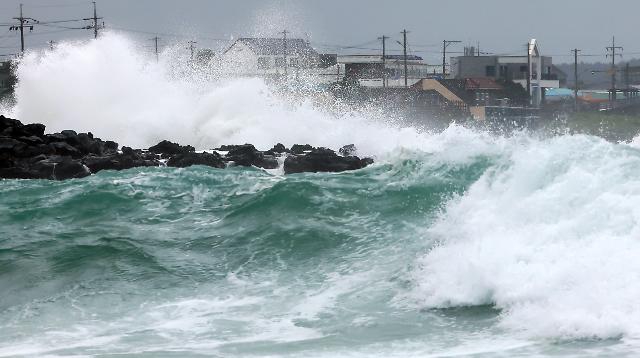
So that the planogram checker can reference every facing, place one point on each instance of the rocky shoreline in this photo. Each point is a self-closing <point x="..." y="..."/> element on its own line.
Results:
<point x="26" y="152"/>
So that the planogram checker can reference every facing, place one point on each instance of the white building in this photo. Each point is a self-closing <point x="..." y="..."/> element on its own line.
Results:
<point x="278" y="59"/>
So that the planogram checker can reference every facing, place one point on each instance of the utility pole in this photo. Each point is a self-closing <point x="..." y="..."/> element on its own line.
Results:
<point x="284" y="52"/>
<point x="192" y="48"/>
<point x="95" y="19"/>
<point x="575" y="78"/>
<point x="529" y="71"/>
<point x="627" y="78"/>
<point x="155" y="40"/>
<point x="384" y="60"/>
<point x="613" y="48"/>
<point x="23" y="21"/>
<point x="404" y="45"/>
<point x="445" y="44"/>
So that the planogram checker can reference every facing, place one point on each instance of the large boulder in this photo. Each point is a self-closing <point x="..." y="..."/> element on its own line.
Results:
<point x="301" y="148"/>
<point x="7" y="124"/>
<point x="12" y="146"/>
<point x="323" y="160"/>
<point x="28" y="130"/>
<point x="116" y="162"/>
<point x="277" y="149"/>
<point x="51" y="168"/>
<point x="247" y="155"/>
<point x="347" y="150"/>
<point x="65" y="149"/>
<point x="61" y="168"/>
<point x="185" y="160"/>
<point x="167" y="148"/>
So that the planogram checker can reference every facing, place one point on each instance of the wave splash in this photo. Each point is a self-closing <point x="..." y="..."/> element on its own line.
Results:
<point x="550" y="236"/>
<point x="108" y="87"/>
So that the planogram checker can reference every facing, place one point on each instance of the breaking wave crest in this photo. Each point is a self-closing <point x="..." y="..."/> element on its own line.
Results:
<point x="549" y="235"/>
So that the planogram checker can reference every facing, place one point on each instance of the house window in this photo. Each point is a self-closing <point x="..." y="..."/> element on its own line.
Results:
<point x="523" y="68"/>
<point x="503" y="71"/>
<point x="280" y="62"/>
<point x="263" y="63"/>
<point x="491" y="71"/>
<point x="293" y="62"/>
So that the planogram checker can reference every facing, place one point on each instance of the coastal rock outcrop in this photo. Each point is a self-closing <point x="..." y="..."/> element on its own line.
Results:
<point x="26" y="152"/>
<point x="323" y="160"/>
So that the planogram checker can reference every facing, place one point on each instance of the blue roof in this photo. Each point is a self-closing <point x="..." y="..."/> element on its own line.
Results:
<point x="559" y="92"/>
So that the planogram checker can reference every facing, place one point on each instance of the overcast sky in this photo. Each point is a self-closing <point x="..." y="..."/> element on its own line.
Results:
<point x="500" y="26"/>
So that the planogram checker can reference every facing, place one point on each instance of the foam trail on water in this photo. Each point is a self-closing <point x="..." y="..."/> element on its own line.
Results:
<point x="109" y="88"/>
<point x="549" y="235"/>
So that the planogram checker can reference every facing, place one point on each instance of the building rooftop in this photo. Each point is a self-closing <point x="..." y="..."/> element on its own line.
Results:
<point x="264" y="46"/>
<point x="482" y="83"/>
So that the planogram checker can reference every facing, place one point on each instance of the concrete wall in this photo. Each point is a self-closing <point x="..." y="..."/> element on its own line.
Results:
<point x="471" y="66"/>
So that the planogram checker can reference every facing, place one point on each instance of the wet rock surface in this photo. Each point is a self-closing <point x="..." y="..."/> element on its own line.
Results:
<point x="26" y="152"/>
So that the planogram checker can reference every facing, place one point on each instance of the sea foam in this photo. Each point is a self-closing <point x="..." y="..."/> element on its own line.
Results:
<point x="109" y="87"/>
<point x="549" y="235"/>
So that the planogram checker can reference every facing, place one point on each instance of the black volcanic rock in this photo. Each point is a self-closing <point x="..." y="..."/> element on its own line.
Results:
<point x="32" y="140"/>
<point x="123" y="161"/>
<point x="169" y="148"/>
<point x="27" y="153"/>
<point x="63" y="148"/>
<point x="347" y="150"/>
<point x="29" y="130"/>
<point x="300" y="149"/>
<point x="52" y="168"/>
<point x="12" y="146"/>
<point x="323" y="160"/>
<point x="60" y="168"/>
<point x="8" y="122"/>
<point x="277" y="149"/>
<point x="227" y="148"/>
<point x="185" y="160"/>
<point x="247" y="155"/>
<point x="110" y="146"/>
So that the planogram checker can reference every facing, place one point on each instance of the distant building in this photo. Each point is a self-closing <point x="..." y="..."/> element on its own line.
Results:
<point x="472" y="95"/>
<point x="272" y="58"/>
<point x="7" y="79"/>
<point x="534" y="71"/>
<point x="376" y="71"/>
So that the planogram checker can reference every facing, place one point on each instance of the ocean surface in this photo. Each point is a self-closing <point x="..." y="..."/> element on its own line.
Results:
<point x="456" y="243"/>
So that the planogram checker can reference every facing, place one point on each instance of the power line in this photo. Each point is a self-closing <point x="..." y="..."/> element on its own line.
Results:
<point x="404" y="36"/>
<point x="166" y="34"/>
<point x="384" y="59"/>
<point x="192" y="48"/>
<point x="575" y="74"/>
<point x="95" y="19"/>
<point x="613" y="55"/>
<point x="445" y="44"/>
<point x="155" y="39"/>
<point x="23" y="21"/>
